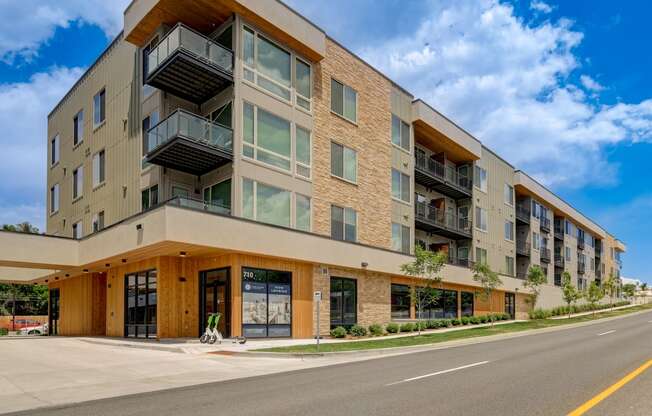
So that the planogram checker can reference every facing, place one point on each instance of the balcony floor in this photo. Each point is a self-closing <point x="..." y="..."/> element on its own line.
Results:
<point x="189" y="156"/>
<point x="439" y="229"/>
<point x="188" y="77"/>
<point x="435" y="183"/>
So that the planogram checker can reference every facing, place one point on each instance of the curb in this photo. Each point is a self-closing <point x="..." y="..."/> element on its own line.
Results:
<point x="128" y="345"/>
<point x="379" y="352"/>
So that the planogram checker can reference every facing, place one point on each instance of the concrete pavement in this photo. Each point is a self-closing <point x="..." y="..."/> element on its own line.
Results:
<point x="550" y="373"/>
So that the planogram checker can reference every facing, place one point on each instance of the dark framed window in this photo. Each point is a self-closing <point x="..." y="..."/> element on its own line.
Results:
<point x="400" y="301"/>
<point x="343" y="223"/>
<point x="444" y="307"/>
<point x="344" y="302"/>
<point x="266" y="303"/>
<point x="140" y="304"/>
<point x="149" y="197"/>
<point x="467" y="303"/>
<point x="78" y="128"/>
<point x="99" y="108"/>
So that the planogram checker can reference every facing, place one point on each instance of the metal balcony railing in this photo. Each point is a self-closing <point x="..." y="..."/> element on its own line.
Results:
<point x="581" y="268"/>
<point x="190" y="126"/>
<point x="560" y="261"/>
<point x="580" y="244"/>
<point x="442" y="220"/>
<point x="447" y="175"/>
<point x="544" y="254"/>
<point x="523" y="213"/>
<point x="544" y="224"/>
<point x="559" y="232"/>
<point x="523" y="248"/>
<point x="199" y="205"/>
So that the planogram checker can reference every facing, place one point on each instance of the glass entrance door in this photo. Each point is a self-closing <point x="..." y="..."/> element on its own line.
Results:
<point x="53" y="325"/>
<point x="510" y="305"/>
<point x="215" y="295"/>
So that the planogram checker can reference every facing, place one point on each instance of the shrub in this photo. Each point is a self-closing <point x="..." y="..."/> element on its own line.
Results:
<point x="376" y="329"/>
<point x="540" y="314"/>
<point x="432" y="324"/>
<point x="465" y="320"/>
<point x="392" y="328"/>
<point x="358" y="331"/>
<point x="474" y="320"/>
<point x="455" y="322"/>
<point x="407" y="327"/>
<point x="4" y="332"/>
<point x="482" y="319"/>
<point x="506" y="317"/>
<point x="421" y="325"/>
<point x="338" y="332"/>
<point x="445" y="323"/>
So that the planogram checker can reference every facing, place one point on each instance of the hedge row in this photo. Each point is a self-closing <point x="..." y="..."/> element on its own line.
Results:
<point x="395" y="328"/>
<point x="564" y="310"/>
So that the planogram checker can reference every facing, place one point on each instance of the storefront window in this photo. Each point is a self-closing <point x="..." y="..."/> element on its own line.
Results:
<point x="467" y="304"/>
<point x="266" y="303"/>
<point x="400" y="302"/>
<point x="343" y="302"/>
<point x="445" y="307"/>
<point x="140" y="304"/>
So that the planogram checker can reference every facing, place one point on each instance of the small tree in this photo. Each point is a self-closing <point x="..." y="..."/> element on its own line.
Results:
<point x="535" y="278"/>
<point x="426" y="266"/>
<point x="489" y="281"/>
<point x="594" y="295"/>
<point x="570" y="293"/>
<point x="643" y="287"/>
<point x="610" y="288"/>
<point x="629" y="290"/>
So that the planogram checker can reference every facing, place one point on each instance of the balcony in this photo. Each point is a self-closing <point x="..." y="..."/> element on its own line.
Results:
<point x="560" y="261"/>
<point x="544" y="254"/>
<point x="189" y="143"/>
<point x="522" y="248"/>
<point x="558" y="279"/>
<point x="443" y="179"/>
<point x="199" y="205"/>
<point x="189" y="65"/>
<point x="598" y="273"/>
<point x="522" y="214"/>
<point x="544" y="225"/>
<point x="521" y="275"/>
<point x="580" y="244"/>
<point x="581" y="268"/>
<point x="459" y="262"/>
<point x="440" y="222"/>
<point x="559" y="232"/>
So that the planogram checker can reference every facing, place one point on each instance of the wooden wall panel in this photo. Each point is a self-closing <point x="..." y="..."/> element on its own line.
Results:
<point x="82" y="305"/>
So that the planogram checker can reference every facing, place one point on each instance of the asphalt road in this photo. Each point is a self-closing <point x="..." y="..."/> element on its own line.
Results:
<point x="544" y="374"/>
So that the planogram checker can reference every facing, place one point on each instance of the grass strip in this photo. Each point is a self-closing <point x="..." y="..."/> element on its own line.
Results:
<point x="437" y="337"/>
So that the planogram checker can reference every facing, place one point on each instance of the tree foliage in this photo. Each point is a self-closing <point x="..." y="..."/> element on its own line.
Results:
<point x="629" y="290"/>
<point x="569" y="292"/>
<point x="534" y="280"/>
<point x="610" y="288"/>
<point x="594" y="295"/>
<point x="489" y="281"/>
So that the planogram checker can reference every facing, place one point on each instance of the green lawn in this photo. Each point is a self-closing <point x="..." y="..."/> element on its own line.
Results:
<point x="436" y="337"/>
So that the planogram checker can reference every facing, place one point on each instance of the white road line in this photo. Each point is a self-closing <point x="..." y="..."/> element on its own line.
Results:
<point x="607" y="333"/>
<point x="438" y="373"/>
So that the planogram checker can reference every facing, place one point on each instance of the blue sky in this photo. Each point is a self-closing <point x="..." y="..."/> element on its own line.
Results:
<point x="557" y="88"/>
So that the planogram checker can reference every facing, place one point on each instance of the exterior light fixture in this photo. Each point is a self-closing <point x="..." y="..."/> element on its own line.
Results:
<point x="182" y="254"/>
<point x="364" y="264"/>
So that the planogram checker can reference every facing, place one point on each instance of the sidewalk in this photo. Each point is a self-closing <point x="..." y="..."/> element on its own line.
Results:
<point x="590" y="312"/>
<point x="192" y="345"/>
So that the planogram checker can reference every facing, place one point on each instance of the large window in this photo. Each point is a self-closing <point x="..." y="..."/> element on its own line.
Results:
<point x="78" y="230"/>
<point x="481" y="218"/>
<point x="140" y="304"/>
<point x="148" y="122"/>
<point x="400" y="186"/>
<point x="344" y="294"/>
<point x="509" y="194"/>
<point x="467" y="303"/>
<point x="77" y="182"/>
<point x="266" y="137"/>
<point x="400" y="133"/>
<point x="343" y="223"/>
<point x="302" y="213"/>
<point x="480" y="178"/>
<point x="509" y="265"/>
<point x="55" y="151"/>
<point x="445" y="306"/>
<point x="99" y="108"/>
<point x="302" y="84"/>
<point x="78" y="128"/>
<point x="568" y="253"/>
<point x="98" y="221"/>
<point x="219" y="194"/>
<point x="344" y="100"/>
<point x="400" y="301"/>
<point x="344" y="162"/>
<point x="536" y="241"/>
<point x="266" y="303"/>
<point x="99" y="168"/>
<point x="54" y="198"/>
<point x="509" y="230"/>
<point x="302" y="152"/>
<point x="149" y="197"/>
<point x="400" y="238"/>
<point x="481" y="255"/>
<point x="265" y="203"/>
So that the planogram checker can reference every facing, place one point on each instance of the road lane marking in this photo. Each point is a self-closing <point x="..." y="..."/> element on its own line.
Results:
<point x="450" y="370"/>
<point x="610" y="390"/>
<point x="607" y="333"/>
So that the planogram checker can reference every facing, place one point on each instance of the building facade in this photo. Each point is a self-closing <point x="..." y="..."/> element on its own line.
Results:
<point x="233" y="157"/>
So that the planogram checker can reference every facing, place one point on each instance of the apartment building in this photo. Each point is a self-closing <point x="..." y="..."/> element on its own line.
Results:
<point x="231" y="157"/>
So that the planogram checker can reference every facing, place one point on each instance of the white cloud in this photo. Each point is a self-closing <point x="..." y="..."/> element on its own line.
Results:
<point x="508" y="82"/>
<point x="23" y="116"/>
<point x="27" y="24"/>
<point x="591" y="84"/>
<point x="16" y="214"/>
<point x="540" y="6"/>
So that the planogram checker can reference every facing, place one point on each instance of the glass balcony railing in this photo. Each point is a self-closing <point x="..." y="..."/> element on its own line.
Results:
<point x="182" y="124"/>
<point x="199" y="205"/>
<point x="182" y="38"/>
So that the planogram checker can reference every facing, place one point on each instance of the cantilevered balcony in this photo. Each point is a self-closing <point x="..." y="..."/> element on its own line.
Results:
<point x="189" y="143"/>
<point x="544" y="255"/>
<point x="581" y="268"/>
<point x="559" y="231"/>
<point x="522" y="248"/>
<point x="441" y="178"/>
<point x="559" y="260"/>
<point x="580" y="243"/>
<point x="522" y="213"/>
<point x="437" y="221"/>
<point x="189" y="65"/>
<point x="544" y="225"/>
